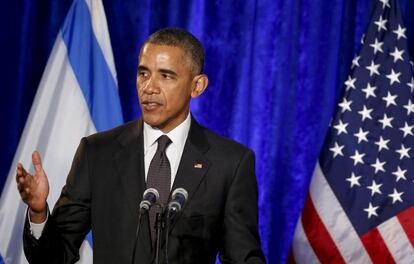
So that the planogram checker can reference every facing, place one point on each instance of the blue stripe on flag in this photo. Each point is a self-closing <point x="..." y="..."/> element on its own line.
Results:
<point x="90" y="68"/>
<point x="89" y="238"/>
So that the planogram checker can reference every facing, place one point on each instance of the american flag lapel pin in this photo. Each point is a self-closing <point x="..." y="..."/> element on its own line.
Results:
<point x="198" y="165"/>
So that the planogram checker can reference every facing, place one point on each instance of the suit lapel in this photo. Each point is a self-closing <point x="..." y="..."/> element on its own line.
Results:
<point x="129" y="160"/>
<point x="193" y="165"/>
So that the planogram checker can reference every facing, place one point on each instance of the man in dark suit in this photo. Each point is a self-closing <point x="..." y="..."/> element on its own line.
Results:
<point x="111" y="170"/>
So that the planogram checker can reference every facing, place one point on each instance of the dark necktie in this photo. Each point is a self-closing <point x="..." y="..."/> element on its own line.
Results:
<point x="159" y="177"/>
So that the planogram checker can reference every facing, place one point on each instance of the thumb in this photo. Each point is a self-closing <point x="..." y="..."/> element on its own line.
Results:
<point x="37" y="162"/>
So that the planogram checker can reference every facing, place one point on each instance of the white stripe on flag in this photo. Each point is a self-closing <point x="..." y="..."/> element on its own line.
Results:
<point x="396" y="240"/>
<point x="335" y="220"/>
<point x="86" y="253"/>
<point x="302" y="250"/>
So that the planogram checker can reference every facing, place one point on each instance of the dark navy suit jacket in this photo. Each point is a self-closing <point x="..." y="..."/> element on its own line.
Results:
<point x="106" y="183"/>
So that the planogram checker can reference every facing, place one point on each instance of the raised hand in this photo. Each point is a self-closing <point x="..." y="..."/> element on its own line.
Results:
<point x="34" y="189"/>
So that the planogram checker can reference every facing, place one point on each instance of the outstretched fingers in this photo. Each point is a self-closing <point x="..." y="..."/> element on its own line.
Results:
<point x="24" y="180"/>
<point x="20" y="177"/>
<point x="33" y="189"/>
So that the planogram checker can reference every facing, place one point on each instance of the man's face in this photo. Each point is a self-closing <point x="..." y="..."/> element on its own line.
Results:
<point x="164" y="84"/>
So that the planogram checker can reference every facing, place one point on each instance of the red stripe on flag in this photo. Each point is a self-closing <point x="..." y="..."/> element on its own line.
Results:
<point x="406" y="219"/>
<point x="291" y="258"/>
<point x="376" y="247"/>
<point x="318" y="235"/>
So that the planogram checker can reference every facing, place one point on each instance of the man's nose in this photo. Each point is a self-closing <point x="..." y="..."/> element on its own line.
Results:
<point x="151" y="86"/>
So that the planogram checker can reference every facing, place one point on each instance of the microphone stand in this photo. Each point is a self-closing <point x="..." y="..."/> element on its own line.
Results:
<point x="141" y="212"/>
<point x="159" y="226"/>
<point x="170" y="217"/>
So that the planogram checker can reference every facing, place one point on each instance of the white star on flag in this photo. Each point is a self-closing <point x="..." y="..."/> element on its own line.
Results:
<point x="373" y="69"/>
<point x="357" y="157"/>
<point x="403" y="151"/>
<point x="341" y="127"/>
<point x="393" y="76"/>
<point x="361" y="135"/>
<point x="369" y="90"/>
<point x="400" y="174"/>
<point x="350" y="83"/>
<point x="382" y="144"/>
<point x="381" y="23"/>
<point x="377" y="46"/>
<point x="400" y="32"/>
<point x="355" y="62"/>
<point x="345" y="105"/>
<point x="396" y="196"/>
<point x="375" y="188"/>
<point x="371" y="210"/>
<point x="397" y="54"/>
<point x="385" y="3"/>
<point x="378" y="165"/>
<point x="365" y="113"/>
<point x="354" y="180"/>
<point x="409" y="106"/>
<point x="411" y="84"/>
<point x="408" y="130"/>
<point x="386" y="121"/>
<point x="337" y="150"/>
<point x="390" y="99"/>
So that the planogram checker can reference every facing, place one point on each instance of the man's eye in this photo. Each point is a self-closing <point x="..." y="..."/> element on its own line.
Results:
<point x="143" y="74"/>
<point x="166" y="76"/>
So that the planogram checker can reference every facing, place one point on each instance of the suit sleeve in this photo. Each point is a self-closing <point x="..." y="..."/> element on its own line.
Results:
<point x="69" y="223"/>
<point x="241" y="241"/>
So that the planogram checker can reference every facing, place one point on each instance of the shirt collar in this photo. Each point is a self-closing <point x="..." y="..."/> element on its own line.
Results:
<point x="178" y="135"/>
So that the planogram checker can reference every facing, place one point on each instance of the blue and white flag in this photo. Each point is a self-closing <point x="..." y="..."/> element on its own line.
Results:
<point x="77" y="96"/>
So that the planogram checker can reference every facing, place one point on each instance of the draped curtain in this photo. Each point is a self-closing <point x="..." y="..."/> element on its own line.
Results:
<point x="276" y="69"/>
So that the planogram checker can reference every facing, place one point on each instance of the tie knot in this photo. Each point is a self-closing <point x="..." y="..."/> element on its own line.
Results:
<point x="163" y="142"/>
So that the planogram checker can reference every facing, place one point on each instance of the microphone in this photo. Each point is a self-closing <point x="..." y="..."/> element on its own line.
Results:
<point x="149" y="198"/>
<point x="178" y="199"/>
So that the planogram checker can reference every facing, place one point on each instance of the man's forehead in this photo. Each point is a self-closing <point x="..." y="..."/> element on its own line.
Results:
<point x="160" y="48"/>
<point x="162" y="54"/>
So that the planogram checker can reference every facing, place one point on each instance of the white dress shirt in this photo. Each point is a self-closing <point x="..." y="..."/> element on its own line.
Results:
<point x="174" y="151"/>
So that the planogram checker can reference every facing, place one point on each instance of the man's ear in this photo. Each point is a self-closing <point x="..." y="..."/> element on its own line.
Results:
<point x="200" y="83"/>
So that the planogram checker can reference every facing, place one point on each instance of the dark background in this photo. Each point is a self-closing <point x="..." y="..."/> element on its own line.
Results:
<point x="276" y="70"/>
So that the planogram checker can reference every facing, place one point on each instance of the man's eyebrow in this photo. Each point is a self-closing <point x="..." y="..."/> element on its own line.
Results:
<point x="142" y="68"/>
<point x="166" y="71"/>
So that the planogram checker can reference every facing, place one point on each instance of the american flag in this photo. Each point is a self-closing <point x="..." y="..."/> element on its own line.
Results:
<point x="360" y="207"/>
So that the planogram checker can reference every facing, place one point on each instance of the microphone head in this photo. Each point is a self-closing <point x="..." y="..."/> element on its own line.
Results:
<point x="149" y="198"/>
<point x="178" y="199"/>
<point x="144" y="205"/>
<point x="174" y="207"/>
<point x="179" y="191"/>
<point x="151" y="195"/>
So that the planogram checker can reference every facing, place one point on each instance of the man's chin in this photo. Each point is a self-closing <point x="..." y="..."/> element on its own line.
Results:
<point x="155" y="123"/>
